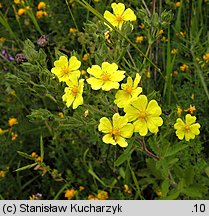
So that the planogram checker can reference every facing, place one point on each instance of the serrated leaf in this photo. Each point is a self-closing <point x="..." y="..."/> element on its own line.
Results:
<point x="175" y="149"/>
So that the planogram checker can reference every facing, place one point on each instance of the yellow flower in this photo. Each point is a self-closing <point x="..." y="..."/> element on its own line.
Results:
<point x="1" y="6"/>
<point x="12" y="121"/>
<point x="139" y="39"/>
<point x="191" y="109"/>
<point x="64" y="68"/>
<point x="184" y="67"/>
<point x="146" y="116"/>
<point x="70" y="193"/>
<point x="92" y="197"/>
<point x="161" y="32"/>
<point x="74" y="91"/>
<point x="61" y="114"/>
<point x="2" y="174"/>
<point x="21" y="11"/>
<point x="85" y="57"/>
<point x="117" y="131"/>
<point x="127" y="189"/>
<point x="178" y="4"/>
<point x="164" y="39"/>
<point x="183" y="34"/>
<point x="173" y="51"/>
<point x="192" y="97"/>
<point x="40" y="14"/>
<point x="102" y="195"/>
<point x="129" y="91"/>
<point x="41" y="5"/>
<point x="19" y="1"/>
<point x="148" y="74"/>
<point x="120" y="15"/>
<point x="105" y="77"/>
<point x="141" y="26"/>
<point x="83" y="72"/>
<point x="206" y="57"/>
<point x="81" y="188"/>
<point x="188" y="129"/>
<point x="179" y="111"/>
<point x="73" y="30"/>
<point x="14" y="136"/>
<point x="2" y="40"/>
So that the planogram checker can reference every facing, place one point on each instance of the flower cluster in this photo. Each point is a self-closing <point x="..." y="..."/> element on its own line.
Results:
<point x="141" y="115"/>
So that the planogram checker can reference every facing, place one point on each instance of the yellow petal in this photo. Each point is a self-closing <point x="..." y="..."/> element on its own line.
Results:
<point x="74" y="64"/>
<point x="127" y="131"/>
<point x="153" y="108"/>
<point x="108" y="85"/>
<point x="111" y="18"/>
<point x="190" y="119"/>
<point x="105" y="125"/>
<point x="68" y="98"/>
<point x="129" y="15"/>
<point x="136" y="80"/>
<point x="118" y="9"/>
<point x="140" y="126"/>
<point x="153" y="123"/>
<point x="179" y="124"/>
<point x="95" y="83"/>
<point x="180" y="134"/>
<point x="195" y="128"/>
<point x="78" y="101"/>
<point x="121" y="142"/>
<point x="110" y="68"/>
<point x="131" y="112"/>
<point x="122" y="98"/>
<point x="117" y="76"/>
<point x="62" y="62"/>
<point x="119" y="121"/>
<point x="108" y="139"/>
<point x="140" y="103"/>
<point x="189" y="135"/>
<point x="95" y="70"/>
<point x="136" y="92"/>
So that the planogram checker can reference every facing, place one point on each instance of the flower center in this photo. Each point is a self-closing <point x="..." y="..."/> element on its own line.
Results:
<point x="119" y="18"/>
<point x="74" y="90"/>
<point x="128" y="89"/>
<point x="65" y="70"/>
<point x="105" y="76"/>
<point x="187" y="128"/>
<point x="143" y="115"/>
<point x="115" y="132"/>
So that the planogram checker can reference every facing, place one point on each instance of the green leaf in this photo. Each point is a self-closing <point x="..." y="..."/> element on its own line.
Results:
<point x="172" y="196"/>
<point x="175" y="149"/>
<point x="207" y="171"/>
<point x="25" y="155"/>
<point x="189" y="175"/>
<point x="26" y="167"/>
<point x="165" y="187"/>
<point x="193" y="192"/>
<point x="125" y="156"/>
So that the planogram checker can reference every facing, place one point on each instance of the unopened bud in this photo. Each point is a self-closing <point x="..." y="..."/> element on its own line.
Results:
<point x="43" y="41"/>
<point x="20" y="58"/>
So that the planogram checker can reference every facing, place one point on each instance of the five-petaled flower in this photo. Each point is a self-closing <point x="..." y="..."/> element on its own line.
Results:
<point x="146" y="116"/>
<point x="188" y="129"/>
<point x="117" y="131"/>
<point x="105" y="77"/>
<point x="120" y="15"/>
<point x="74" y="91"/>
<point x="64" y="68"/>
<point x="129" y="91"/>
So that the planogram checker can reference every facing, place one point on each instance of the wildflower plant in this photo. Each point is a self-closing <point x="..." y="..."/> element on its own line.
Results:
<point x="95" y="112"/>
